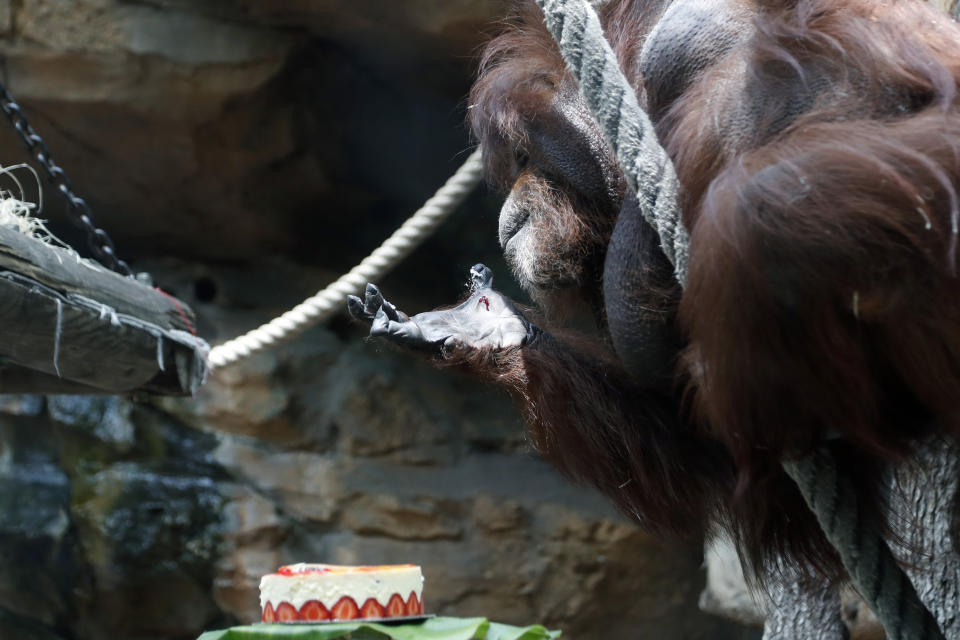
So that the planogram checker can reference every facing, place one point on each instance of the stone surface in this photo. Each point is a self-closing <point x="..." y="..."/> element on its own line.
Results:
<point x="149" y="520"/>
<point x="390" y="516"/>
<point x="6" y="17"/>
<point x="205" y="128"/>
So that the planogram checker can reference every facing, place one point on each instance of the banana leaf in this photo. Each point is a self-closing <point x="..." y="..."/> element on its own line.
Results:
<point x="432" y="629"/>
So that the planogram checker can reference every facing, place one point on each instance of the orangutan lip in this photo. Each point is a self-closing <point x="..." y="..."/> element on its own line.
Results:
<point x="509" y="231"/>
<point x="505" y="245"/>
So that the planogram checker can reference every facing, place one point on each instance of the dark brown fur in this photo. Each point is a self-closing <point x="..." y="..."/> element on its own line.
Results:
<point x="820" y="170"/>
<point x="819" y="301"/>
<point x="588" y="420"/>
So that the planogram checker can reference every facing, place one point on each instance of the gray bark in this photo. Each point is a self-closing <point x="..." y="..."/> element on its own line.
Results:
<point x="923" y="495"/>
<point x="803" y="612"/>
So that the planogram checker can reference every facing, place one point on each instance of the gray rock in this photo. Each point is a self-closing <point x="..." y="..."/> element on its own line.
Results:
<point x="304" y="484"/>
<point x="139" y="521"/>
<point x="391" y="516"/>
<point x="25" y="628"/>
<point x="36" y="564"/>
<point x="21" y="405"/>
<point x="106" y="418"/>
<point x="196" y="40"/>
<point x="6" y="17"/>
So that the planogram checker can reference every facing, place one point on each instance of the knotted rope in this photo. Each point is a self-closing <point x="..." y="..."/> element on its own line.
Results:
<point x="628" y="130"/>
<point x="332" y="299"/>
<point x="868" y="559"/>
<point x="649" y="171"/>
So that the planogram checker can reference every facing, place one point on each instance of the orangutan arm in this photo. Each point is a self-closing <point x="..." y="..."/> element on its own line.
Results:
<point x="584" y="413"/>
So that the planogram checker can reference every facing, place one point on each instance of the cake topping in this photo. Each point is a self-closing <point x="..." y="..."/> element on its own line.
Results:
<point x="302" y="568"/>
<point x="308" y="592"/>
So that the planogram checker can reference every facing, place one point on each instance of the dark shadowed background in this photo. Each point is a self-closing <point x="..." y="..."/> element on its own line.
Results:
<point x="247" y="152"/>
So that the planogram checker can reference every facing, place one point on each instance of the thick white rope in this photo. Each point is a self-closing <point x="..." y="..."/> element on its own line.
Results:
<point x="331" y="300"/>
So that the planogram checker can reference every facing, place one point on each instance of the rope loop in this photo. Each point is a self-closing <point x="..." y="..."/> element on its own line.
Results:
<point x="329" y="301"/>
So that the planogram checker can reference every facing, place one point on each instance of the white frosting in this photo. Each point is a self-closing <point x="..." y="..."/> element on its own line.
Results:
<point x="360" y="583"/>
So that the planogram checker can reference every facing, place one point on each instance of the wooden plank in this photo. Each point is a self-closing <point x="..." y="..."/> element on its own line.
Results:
<point x="119" y="354"/>
<point x="77" y="326"/>
<point x="65" y="272"/>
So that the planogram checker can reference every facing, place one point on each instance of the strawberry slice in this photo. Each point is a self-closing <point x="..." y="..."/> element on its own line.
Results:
<point x="314" y="610"/>
<point x="345" y="609"/>
<point x="268" y="614"/>
<point x="372" y="609"/>
<point x="286" y="612"/>
<point x="414" y="606"/>
<point x="396" y="607"/>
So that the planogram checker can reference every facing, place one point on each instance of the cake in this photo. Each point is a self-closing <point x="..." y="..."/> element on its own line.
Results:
<point x="316" y="592"/>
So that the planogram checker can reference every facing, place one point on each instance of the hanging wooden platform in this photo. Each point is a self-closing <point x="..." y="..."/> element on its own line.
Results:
<point x="71" y="326"/>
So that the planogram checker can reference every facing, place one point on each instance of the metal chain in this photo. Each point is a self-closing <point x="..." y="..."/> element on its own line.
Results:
<point x="80" y="214"/>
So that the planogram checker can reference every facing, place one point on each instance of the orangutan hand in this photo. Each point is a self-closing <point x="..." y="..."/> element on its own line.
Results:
<point x="485" y="320"/>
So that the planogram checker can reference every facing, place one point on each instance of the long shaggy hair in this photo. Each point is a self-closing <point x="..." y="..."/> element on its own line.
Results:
<point x="584" y="415"/>
<point x="822" y="302"/>
<point x="521" y="71"/>
<point x="521" y="76"/>
<point x="819" y="165"/>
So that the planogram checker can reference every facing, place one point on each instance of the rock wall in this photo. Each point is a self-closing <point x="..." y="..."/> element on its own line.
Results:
<point x="245" y="152"/>
<point x="155" y="518"/>
<point x="228" y="128"/>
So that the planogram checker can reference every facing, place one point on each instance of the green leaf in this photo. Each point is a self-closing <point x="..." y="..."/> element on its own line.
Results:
<point x="431" y="629"/>
<point x="506" y="632"/>
<point x="291" y="632"/>
<point x="439" y="629"/>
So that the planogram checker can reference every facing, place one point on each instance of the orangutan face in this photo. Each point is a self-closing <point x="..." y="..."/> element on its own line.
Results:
<point x="562" y="203"/>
